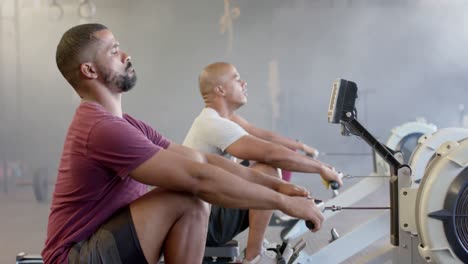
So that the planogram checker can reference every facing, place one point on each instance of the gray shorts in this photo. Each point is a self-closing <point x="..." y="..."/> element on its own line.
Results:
<point x="114" y="242"/>
<point x="225" y="224"/>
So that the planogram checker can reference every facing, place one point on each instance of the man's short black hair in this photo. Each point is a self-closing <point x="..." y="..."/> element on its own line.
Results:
<point x="71" y="46"/>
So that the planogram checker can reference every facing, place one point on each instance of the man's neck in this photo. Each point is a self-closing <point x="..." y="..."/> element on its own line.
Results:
<point x="112" y="102"/>
<point x="222" y="109"/>
<point x="114" y="106"/>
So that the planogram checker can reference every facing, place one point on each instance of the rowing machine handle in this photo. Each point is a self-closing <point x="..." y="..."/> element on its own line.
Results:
<point x="320" y="204"/>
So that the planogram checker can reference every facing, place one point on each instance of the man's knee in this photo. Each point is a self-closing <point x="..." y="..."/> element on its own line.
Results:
<point x="265" y="168"/>
<point x="174" y="203"/>
<point x="162" y="213"/>
<point x="193" y="205"/>
<point x="199" y="206"/>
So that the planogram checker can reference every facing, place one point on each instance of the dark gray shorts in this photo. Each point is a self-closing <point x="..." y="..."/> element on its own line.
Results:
<point x="225" y="224"/>
<point x="115" y="241"/>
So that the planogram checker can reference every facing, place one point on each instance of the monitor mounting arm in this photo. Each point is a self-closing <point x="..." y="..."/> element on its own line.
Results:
<point x="342" y="111"/>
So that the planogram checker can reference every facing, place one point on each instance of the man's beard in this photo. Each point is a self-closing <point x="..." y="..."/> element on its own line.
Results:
<point x="123" y="82"/>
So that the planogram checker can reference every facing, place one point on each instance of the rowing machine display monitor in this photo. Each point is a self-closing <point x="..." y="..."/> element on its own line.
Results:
<point x="342" y="111"/>
<point x="342" y="100"/>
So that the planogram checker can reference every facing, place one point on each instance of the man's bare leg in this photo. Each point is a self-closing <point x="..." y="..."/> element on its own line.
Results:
<point x="172" y="222"/>
<point x="258" y="219"/>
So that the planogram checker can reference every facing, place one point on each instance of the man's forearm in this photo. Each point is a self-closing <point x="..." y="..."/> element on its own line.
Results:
<point x="244" y="172"/>
<point x="218" y="186"/>
<point x="287" y="142"/>
<point x="283" y="158"/>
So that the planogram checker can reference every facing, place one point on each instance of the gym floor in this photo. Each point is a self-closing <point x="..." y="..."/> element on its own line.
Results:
<point x="24" y="224"/>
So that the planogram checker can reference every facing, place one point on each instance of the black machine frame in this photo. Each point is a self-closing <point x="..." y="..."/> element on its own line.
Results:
<point x="342" y="111"/>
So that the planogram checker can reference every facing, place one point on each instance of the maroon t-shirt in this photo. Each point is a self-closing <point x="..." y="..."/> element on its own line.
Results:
<point x="100" y="151"/>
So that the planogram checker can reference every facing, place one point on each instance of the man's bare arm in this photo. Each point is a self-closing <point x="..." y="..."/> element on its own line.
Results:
<point x="271" y="136"/>
<point x="253" y="148"/>
<point x="172" y="171"/>
<point x="239" y="170"/>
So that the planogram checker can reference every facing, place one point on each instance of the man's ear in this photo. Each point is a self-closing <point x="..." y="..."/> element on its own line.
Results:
<point x="88" y="70"/>
<point x="219" y="90"/>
